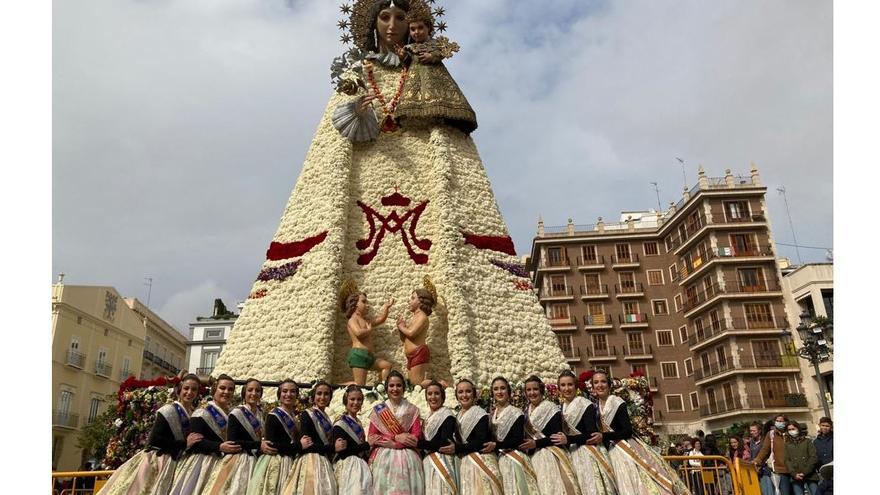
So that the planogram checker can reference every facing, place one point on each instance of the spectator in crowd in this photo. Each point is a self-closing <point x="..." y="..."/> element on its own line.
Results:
<point x="686" y="446"/>
<point x="715" y="480"/>
<point x="824" y="444"/>
<point x="694" y="466"/>
<point x="826" y="487"/>
<point x="674" y="450"/>
<point x="773" y="453"/>
<point x="754" y="443"/>
<point x="87" y="482"/>
<point x="800" y="460"/>
<point x="737" y="450"/>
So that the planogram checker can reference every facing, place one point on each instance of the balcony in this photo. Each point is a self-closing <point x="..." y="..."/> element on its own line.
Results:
<point x="760" y="363"/>
<point x="715" y="331"/>
<point x="555" y="265"/>
<point x="626" y="261"/>
<point x="204" y="371"/>
<point x="124" y="374"/>
<point x="652" y="384"/>
<point x="556" y="294"/>
<point x="638" y="351"/>
<point x="633" y="320"/>
<point x="596" y="322"/>
<point x="103" y="368"/>
<point x="756" y="218"/>
<point x="602" y="354"/>
<point x="594" y="291"/>
<point x="703" y="260"/>
<point x="594" y="263"/>
<point x="635" y="289"/>
<point x="691" y="228"/>
<point x="572" y="355"/>
<point x="76" y="359"/>
<point x="753" y="402"/>
<point x="64" y="419"/>
<point x="561" y="323"/>
<point x="149" y="356"/>
<point x="731" y="289"/>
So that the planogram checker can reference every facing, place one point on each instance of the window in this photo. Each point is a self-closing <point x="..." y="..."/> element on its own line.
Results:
<point x="714" y="320"/>
<point x="727" y="390"/>
<point x="683" y="334"/>
<point x="209" y="357"/>
<point x="664" y="337"/>
<point x="627" y="281"/>
<point x="74" y="344"/>
<point x="639" y="368"/>
<point x="673" y="273"/>
<point x="711" y="401"/>
<point x="557" y="284"/>
<point x="213" y="333"/>
<point x="600" y="342"/>
<point x="674" y="403"/>
<point x="669" y="369"/>
<point x="736" y="210"/>
<point x="106" y="332"/>
<point x="556" y="255"/>
<point x="659" y="306"/>
<point x="592" y="283"/>
<point x="688" y="367"/>
<point x="695" y="401"/>
<point x="743" y="245"/>
<point x="623" y="253"/>
<point x="559" y="311"/>
<point x="678" y="303"/>
<point x="655" y="277"/>
<point x="79" y="320"/>
<point x="828" y="302"/>
<point x="94" y="405"/>
<point x="751" y="280"/>
<point x="102" y="356"/>
<point x="589" y="254"/>
<point x="565" y="343"/>
<point x="126" y="366"/>
<point x="691" y="294"/>
<point x="651" y="248"/>
<point x="704" y="361"/>
<point x="721" y="352"/>
<point x="635" y="342"/>
<point x="596" y="314"/>
<point x="699" y="330"/>
<point x="766" y="353"/>
<point x="773" y="391"/>
<point x="758" y="315"/>
<point x="64" y="402"/>
<point x="631" y="308"/>
<point x="129" y="342"/>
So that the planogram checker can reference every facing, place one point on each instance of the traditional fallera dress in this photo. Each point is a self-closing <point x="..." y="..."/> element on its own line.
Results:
<point x="479" y="472"/>
<point x="196" y="467"/>
<point x="552" y="463"/>
<point x="591" y="463"/>
<point x="352" y="471"/>
<point x="638" y="470"/>
<point x="312" y="472"/>
<point x="271" y="471"/>
<point x="396" y="470"/>
<point x="517" y="473"/>
<point x="232" y="475"/>
<point x="151" y="471"/>
<point x="441" y="470"/>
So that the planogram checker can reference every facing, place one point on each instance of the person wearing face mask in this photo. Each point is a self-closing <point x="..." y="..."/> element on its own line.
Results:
<point x="208" y="429"/>
<point x="801" y="460"/>
<point x="773" y="453"/>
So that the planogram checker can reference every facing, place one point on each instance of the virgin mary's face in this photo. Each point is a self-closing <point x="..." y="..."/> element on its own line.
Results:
<point x="391" y="26"/>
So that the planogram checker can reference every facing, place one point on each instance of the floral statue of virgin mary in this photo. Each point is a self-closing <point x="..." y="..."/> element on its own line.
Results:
<point x="393" y="193"/>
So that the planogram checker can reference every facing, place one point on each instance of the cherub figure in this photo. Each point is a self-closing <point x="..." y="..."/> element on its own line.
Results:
<point x="414" y="334"/>
<point x="424" y="48"/>
<point x="361" y="358"/>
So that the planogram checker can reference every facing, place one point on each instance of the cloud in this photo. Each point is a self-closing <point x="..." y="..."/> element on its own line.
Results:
<point x="180" y="126"/>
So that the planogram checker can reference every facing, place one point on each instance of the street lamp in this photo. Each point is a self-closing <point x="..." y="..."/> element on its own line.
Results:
<point x="814" y="338"/>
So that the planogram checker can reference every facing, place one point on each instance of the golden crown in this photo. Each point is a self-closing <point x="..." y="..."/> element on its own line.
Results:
<point x="429" y="286"/>
<point x="356" y="29"/>
<point x="348" y="288"/>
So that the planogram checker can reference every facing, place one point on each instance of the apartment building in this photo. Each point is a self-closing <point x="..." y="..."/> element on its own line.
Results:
<point x="690" y="297"/>
<point x="208" y="335"/>
<point x="810" y="288"/>
<point x="164" y="346"/>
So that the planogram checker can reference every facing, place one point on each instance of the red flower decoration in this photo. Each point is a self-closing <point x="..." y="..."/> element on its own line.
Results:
<point x="636" y="374"/>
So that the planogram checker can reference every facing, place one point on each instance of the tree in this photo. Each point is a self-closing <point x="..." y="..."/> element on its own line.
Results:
<point x="93" y="437"/>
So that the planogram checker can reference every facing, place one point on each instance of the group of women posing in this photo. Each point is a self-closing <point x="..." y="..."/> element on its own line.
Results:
<point x="583" y="448"/>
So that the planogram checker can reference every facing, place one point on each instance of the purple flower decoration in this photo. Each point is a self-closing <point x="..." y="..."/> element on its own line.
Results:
<point x="514" y="268"/>
<point x="279" y="272"/>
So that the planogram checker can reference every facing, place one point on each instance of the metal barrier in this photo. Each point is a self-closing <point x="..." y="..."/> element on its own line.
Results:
<point x="715" y="475"/>
<point x="77" y="482"/>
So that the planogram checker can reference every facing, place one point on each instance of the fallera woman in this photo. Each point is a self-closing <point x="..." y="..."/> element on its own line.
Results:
<point x="589" y="457"/>
<point x="352" y="472"/>
<point x="508" y="424"/>
<point x="395" y="428"/>
<point x="441" y="471"/>
<point x="312" y="472"/>
<point x="208" y="433"/>
<point x="151" y="471"/>
<point x="283" y="435"/>
<point x="475" y="445"/>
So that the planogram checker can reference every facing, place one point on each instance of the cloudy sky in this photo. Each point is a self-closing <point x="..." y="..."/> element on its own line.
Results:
<point x="180" y="126"/>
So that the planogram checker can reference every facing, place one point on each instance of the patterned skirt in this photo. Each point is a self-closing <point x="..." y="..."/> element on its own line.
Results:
<point x="146" y="473"/>
<point x="353" y="476"/>
<point x="555" y="472"/>
<point x="437" y="483"/>
<point x="518" y="474"/>
<point x="192" y="473"/>
<point x="641" y="471"/>
<point x="397" y="472"/>
<point x="270" y="474"/>
<point x="593" y="468"/>
<point x="312" y="475"/>
<point x="231" y="475"/>
<point x="474" y="478"/>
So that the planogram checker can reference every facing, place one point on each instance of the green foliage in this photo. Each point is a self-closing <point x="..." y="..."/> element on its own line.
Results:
<point x="94" y="437"/>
